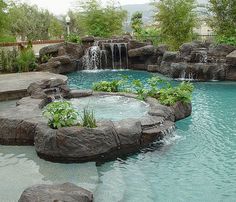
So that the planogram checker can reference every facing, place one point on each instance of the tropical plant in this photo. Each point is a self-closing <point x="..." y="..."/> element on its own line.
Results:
<point x="60" y="114"/>
<point x="8" y="60"/>
<point x="26" y="60"/>
<point x="139" y="89"/>
<point x="107" y="86"/>
<point x="176" y="19"/>
<point x="74" y="38"/>
<point x="88" y="119"/>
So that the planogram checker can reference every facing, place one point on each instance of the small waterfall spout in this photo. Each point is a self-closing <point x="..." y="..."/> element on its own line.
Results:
<point x="92" y="58"/>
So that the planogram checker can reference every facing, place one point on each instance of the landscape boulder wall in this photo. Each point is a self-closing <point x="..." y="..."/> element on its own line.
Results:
<point x="55" y="193"/>
<point x="200" y="61"/>
<point x="63" y="58"/>
<point x="25" y="125"/>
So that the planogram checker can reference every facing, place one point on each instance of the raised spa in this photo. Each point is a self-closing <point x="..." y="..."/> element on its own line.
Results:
<point x="112" y="107"/>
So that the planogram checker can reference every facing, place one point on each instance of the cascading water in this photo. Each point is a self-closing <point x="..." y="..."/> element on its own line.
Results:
<point x="96" y="56"/>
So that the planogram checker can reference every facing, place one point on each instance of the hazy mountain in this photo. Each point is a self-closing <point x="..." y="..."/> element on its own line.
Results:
<point x="147" y="10"/>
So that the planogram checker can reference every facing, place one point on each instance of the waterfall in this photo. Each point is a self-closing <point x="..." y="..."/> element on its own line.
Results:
<point x="112" y="45"/>
<point x="127" y="58"/>
<point x="96" y="56"/>
<point x="119" y="48"/>
<point x="92" y="59"/>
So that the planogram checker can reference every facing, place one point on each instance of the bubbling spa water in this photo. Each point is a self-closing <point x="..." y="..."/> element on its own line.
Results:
<point x="112" y="107"/>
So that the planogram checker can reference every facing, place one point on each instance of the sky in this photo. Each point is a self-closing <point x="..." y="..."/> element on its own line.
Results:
<point x="60" y="7"/>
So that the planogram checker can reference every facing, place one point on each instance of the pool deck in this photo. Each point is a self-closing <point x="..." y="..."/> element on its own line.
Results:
<point x="14" y="86"/>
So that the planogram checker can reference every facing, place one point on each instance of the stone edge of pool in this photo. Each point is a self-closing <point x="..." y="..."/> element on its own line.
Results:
<point x="24" y="125"/>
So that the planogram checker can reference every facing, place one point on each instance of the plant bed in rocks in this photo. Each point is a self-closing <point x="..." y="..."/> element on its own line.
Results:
<point x="25" y="125"/>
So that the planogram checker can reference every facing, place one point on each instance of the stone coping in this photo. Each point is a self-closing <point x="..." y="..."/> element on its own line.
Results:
<point x="14" y="86"/>
<point x="24" y="125"/>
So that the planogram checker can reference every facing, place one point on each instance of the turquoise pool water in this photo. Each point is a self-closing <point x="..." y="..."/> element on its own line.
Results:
<point x="197" y="163"/>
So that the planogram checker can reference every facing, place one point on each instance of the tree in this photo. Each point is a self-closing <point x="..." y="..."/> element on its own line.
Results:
<point x="176" y="19"/>
<point x="137" y="22"/>
<point x="56" y="29"/>
<point x="100" y="21"/>
<point x="32" y="23"/>
<point x="223" y="20"/>
<point x="3" y="16"/>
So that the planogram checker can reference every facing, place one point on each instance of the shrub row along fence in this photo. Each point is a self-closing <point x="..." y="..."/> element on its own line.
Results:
<point x="24" y="43"/>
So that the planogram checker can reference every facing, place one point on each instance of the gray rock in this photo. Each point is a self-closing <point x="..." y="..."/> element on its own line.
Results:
<point x="231" y="58"/>
<point x="181" y="110"/>
<point x="63" y="59"/>
<point x="75" y="144"/>
<point x="50" y="50"/>
<point x="169" y="56"/>
<point x="143" y="51"/>
<point x="51" y="193"/>
<point x="221" y="50"/>
<point x="88" y="39"/>
<point x="80" y="93"/>
<point x="152" y="68"/>
<point x="133" y="44"/>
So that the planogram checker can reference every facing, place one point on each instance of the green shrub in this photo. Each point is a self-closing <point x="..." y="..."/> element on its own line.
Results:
<point x="46" y="57"/>
<point x="88" y="119"/>
<point x="74" y="38"/>
<point x="155" y="87"/>
<point x="60" y="114"/>
<point x="26" y="60"/>
<point x="171" y="95"/>
<point x="8" y="60"/>
<point x="226" y="40"/>
<point x="7" y="38"/>
<point x="107" y="86"/>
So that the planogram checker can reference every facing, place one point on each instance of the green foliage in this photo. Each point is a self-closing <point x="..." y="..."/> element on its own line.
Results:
<point x="139" y="89"/>
<point x="155" y="87"/>
<point x="56" y="28"/>
<point x="223" y="20"/>
<point x="31" y="23"/>
<point x="100" y="21"/>
<point x="8" y="60"/>
<point x="3" y="16"/>
<point x="46" y="57"/>
<point x="149" y="34"/>
<point x="74" y="38"/>
<point x="7" y="38"/>
<point x="170" y="95"/>
<point x="107" y="86"/>
<point x="176" y="19"/>
<point x="226" y="40"/>
<point x="88" y="119"/>
<point x="60" y="114"/>
<point x="137" y="23"/>
<point x="26" y="60"/>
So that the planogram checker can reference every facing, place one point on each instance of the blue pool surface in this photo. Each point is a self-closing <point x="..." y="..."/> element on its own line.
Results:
<point x="196" y="163"/>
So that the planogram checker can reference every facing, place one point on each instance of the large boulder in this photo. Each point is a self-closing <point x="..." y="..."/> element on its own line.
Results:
<point x="133" y="44"/>
<point x="75" y="144"/>
<point x="181" y="110"/>
<point x="50" y="50"/>
<point x="231" y="58"/>
<point x="143" y="51"/>
<point x="169" y="56"/>
<point x="67" y="192"/>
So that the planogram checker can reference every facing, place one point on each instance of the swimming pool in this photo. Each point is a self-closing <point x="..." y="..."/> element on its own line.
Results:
<point x="196" y="163"/>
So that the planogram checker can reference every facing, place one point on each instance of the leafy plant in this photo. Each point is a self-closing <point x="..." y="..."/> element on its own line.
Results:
<point x="8" y="60"/>
<point x="46" y="57"/>
<point x="74" y="38"/>
<point x="88" y="119"/>
<point x="60" y="114"/>
<point x="26" y="60"/>
<point x="139" y="89"/>
<point x="226" y="40"/>
<point x="107" y="86"/>
<point x="181" y="93"/>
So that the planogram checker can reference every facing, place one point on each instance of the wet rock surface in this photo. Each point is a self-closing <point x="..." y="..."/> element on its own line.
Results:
<point x="51" y="193"/>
